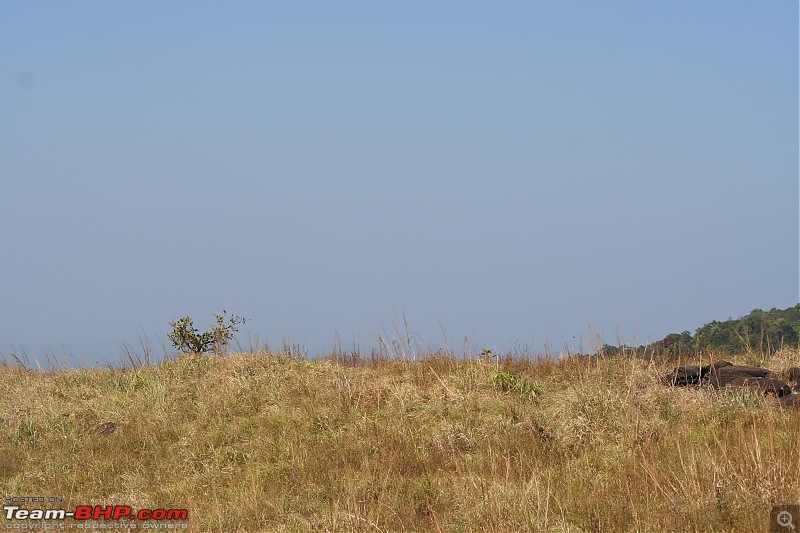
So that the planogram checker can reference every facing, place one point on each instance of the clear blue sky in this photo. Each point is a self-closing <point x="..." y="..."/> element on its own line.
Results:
<point x="513" y="171"/>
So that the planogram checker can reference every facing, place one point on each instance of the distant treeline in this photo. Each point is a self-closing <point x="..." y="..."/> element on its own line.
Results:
<point x="759" y="331"/>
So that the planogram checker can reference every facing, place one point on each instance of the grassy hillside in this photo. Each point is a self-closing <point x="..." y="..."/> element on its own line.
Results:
<point x="261" y="442"/>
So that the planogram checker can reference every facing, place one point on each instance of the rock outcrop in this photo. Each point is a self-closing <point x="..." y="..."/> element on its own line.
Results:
<point x="791" y="401"/>
<point x="723" y="374"/>
<point x="692" y="374"/>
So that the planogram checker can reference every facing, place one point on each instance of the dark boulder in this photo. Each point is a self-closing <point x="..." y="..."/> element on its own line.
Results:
<point x="722" y="376"/>
<point x="790" y="401"/>
<point x="768" y="386"/>
<point x="781" y="389"/>
<point x="684" y="375"/>
<point x="693" y="374"/>
<point x="714" y="367"/>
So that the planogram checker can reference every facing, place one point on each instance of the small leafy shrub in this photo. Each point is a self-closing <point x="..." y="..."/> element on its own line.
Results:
<point x="512" y="383"/>
<point x="487" y="354"/>
<point x="186" y="338"/>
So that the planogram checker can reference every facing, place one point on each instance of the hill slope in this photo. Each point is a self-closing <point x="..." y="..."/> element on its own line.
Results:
<point x="758" y="331"/>
<point x="264" y="442"/>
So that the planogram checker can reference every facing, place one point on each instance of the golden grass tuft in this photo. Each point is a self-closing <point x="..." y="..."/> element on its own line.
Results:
<point x="264" y="442"/>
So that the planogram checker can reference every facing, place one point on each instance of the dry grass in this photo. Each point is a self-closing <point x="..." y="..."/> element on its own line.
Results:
<point x="261" y="442"/>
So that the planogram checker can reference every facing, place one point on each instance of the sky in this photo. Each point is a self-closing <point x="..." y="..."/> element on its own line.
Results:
<point x="516" y="174"/>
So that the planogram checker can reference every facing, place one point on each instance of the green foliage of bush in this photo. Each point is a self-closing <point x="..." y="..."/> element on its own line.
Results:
<point x="513" y="383"/>
<point x="186" y="338"/>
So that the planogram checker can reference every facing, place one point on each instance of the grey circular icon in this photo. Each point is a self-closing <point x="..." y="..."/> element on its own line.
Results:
<point x="785" y="519"/>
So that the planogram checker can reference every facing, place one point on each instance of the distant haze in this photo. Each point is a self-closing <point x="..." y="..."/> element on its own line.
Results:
<point x="516" y="173"/>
